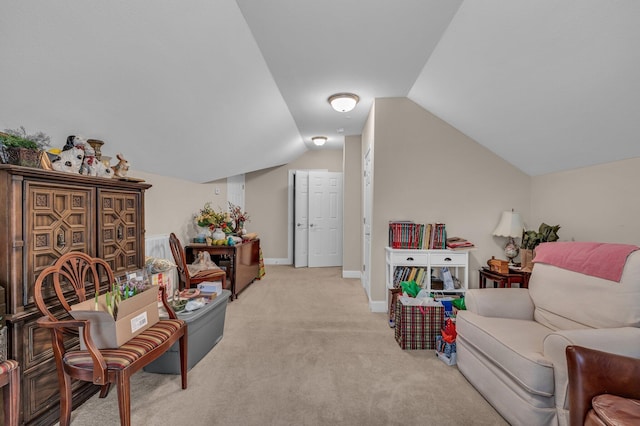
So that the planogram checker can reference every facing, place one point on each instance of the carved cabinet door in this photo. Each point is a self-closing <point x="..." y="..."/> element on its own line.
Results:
<point x="59" y="219"/>
<point x="120" y="237"/>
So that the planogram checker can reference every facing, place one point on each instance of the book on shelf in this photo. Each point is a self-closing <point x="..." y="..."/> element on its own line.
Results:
<point x="406" y="234"/>
<point x="426" y="243"/>
<point x="409" y="273"/>
<point x="458" y="243"/>
<point x="438" y="236"/>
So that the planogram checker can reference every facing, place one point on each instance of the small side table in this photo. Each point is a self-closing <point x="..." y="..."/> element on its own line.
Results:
<point x="504" y="280"/>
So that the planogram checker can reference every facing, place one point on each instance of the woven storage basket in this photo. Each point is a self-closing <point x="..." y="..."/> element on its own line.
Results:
<point x="21" y="156"/>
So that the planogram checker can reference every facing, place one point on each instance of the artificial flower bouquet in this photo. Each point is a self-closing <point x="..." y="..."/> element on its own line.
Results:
<point x="208" y="217"/>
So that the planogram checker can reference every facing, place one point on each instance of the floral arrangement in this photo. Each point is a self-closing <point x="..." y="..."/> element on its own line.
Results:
<point x="119" y="292"/>
<point x="208" y="217"/>
<point x="237" y="214"/>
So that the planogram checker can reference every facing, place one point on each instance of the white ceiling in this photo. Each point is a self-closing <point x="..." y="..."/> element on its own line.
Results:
<point x="205" y="89"/>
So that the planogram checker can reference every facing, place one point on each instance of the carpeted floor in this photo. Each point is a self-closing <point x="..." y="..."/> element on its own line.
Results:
<point x="301" y="347"/>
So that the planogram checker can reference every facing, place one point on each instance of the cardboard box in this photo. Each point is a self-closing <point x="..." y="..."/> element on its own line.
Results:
<point x="135" y="315"/>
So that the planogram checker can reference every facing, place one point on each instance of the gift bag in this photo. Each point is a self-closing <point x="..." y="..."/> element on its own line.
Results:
<point x="416" y="327"/>
<point x="447" y="279"/>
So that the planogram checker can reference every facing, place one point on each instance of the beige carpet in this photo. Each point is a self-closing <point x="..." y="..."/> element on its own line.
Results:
<point x="301" y="347"/>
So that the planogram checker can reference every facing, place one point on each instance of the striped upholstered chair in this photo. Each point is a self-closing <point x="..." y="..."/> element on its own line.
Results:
<point x="71" y="279"/>
<point x="10" y="382"/>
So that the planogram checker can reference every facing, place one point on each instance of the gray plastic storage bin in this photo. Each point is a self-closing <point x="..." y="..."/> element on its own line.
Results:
<point x="205" y="327"/>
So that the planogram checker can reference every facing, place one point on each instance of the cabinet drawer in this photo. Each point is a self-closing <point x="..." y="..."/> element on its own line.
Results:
<point x="448" y="259"/>
<point x="42" y="402"/>
<point x="409" y="258"/>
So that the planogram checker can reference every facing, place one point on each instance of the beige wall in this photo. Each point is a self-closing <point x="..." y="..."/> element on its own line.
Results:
<point x="171" y="204"/>
<point x="427" y="171"/>
<point x="598" y="203"/>
<point x="352" y="220"/>
<point x="266" y="199"/>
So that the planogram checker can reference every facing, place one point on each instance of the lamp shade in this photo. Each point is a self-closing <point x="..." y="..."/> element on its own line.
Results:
<point x="510" y="225"/>
<point x="343" y="102"/>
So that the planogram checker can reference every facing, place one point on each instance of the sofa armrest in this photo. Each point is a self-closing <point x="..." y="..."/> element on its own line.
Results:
<point x="500" y="303"/>
<point x="622" y="341"/>
<point x="593" y="373"/>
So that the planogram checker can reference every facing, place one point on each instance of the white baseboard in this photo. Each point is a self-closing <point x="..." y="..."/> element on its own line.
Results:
<point x="378" y="306"/>
<point x="350" y="274"/>
<point x="276" y="261"/>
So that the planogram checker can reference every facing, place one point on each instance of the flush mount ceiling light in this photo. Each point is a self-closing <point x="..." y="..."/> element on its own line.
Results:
<point x="319" y="140"/>
<point x="343" y="102"/>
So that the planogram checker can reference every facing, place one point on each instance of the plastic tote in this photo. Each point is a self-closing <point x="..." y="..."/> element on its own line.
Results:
<point x="205" y="327"/>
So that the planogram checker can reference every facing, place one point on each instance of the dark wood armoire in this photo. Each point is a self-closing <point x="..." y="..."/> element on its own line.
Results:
<point x="43" y="215"/>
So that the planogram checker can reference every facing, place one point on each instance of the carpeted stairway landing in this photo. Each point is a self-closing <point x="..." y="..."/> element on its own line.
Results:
<point x="301" y="347"/>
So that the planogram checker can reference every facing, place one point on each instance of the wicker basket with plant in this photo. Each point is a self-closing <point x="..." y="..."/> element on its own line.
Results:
<point x="21" y="148"/>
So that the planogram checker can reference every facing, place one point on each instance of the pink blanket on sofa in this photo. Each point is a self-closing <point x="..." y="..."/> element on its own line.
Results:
<point x="603" y="260"/>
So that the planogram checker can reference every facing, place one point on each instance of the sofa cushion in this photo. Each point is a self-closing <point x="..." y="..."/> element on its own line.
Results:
<point x="567" y="300"/>
<point x="616" y="410"/>
<point x="514" y="346"/>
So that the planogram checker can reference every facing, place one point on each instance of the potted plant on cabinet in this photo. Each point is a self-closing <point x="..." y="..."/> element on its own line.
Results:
<point x="21" y="148"/>
<point x="531" y="239"/>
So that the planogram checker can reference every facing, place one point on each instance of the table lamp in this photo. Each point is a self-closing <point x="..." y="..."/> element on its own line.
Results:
<point x="510" y="226"/>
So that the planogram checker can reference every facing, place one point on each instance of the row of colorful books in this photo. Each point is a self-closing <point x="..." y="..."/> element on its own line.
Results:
<point x="409" y="273"/>
<point x="410" y="235"/>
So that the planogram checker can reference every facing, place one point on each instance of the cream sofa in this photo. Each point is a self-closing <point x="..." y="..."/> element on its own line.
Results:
<point x="511" y="341"/>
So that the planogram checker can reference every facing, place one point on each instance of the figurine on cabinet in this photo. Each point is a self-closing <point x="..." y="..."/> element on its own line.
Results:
<point x="121" y="169"/>
<point x="91" y="165"/>
<point x="68" y="160"/>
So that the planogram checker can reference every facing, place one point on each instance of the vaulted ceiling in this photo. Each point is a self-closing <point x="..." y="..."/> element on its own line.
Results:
<point x="202" y="90"/>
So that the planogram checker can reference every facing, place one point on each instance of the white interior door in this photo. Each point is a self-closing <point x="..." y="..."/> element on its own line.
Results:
<point x="325" y="219"/>
<point x="235" y="190"/>
<point x="368" y="202"/>
<point x="301" y="221"/>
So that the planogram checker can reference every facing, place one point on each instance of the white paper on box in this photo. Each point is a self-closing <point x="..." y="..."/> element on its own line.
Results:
<point x="138" y="322"/>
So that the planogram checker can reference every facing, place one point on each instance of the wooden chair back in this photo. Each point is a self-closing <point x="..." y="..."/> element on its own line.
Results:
<point x="180" y="258"/>
<point x="186" y="279"/>
<point x="74" y="277"/>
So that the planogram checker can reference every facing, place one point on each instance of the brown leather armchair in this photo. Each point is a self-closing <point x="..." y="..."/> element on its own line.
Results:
<point x="604" y="388"/>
